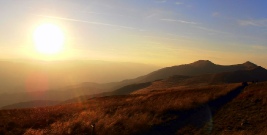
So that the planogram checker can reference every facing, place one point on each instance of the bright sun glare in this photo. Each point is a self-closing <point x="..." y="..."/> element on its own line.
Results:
<point x="48" y="39"/>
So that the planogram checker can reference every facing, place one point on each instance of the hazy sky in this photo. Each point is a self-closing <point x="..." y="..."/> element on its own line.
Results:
<point x="159" y="32"/>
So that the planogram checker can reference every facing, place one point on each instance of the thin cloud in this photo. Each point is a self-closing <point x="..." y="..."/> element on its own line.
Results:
<point x="257" y="23"/>
<point x="160" y="37"/>
<point x="178" y="3"/>
<point x="89" y="22"/>
<point x="179" y="21"/>
<point x="161" y="1"/>
<point x="96" y="13"/>
<point x="211" y="30"/>
<point x="195" y="25"/>
<point x="151" y="15"/>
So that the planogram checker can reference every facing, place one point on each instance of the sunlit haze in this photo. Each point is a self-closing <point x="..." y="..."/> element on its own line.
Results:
<point x="48" y="39"/>
<point x="158" y="32"/>
<point x="123" y="67"/>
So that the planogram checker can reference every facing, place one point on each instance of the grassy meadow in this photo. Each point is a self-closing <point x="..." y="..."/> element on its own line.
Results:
<point x="147" y="113"/>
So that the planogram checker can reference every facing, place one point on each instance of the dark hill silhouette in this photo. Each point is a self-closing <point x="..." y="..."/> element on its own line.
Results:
<point x="201" y="63"/>
<point x="199" y="72"/>
<point x="249" y="65"/>
<point x="257" y="74"/>
<point x="197" y="68"/>
<point x="30" y="104"/>
<point x="248" y="75"/>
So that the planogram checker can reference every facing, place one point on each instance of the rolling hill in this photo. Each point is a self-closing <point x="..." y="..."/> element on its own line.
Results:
<point x="199" y="72"/>
<point x="199" y="67"/>
<point x="210" y="109"/>
<point x="179" y="104"/>
<point x="127" y="114"/>
<point x="31" y="104"/>
<point x="196" y="68"/>
<point x="257" y="74"/>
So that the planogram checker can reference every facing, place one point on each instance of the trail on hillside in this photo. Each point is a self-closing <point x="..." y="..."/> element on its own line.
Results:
<point x="197" y="117"/>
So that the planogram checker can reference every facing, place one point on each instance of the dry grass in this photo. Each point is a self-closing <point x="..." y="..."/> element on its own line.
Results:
<point x="131" y="114"/>
<point x="246" y="114"/>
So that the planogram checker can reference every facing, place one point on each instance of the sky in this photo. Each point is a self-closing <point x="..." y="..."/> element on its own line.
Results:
<point x="158" y="32"/>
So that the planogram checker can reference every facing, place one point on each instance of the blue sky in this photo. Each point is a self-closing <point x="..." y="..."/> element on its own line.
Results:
<point x="159" y="32"/>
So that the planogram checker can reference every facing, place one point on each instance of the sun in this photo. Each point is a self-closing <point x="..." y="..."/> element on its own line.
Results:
<point x="48" y="39"/>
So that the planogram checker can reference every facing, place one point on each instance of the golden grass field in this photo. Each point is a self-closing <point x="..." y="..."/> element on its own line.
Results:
<point x="176" y="110"/>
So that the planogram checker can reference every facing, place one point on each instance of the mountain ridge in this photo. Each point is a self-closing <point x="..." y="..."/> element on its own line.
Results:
<point x="246" y="73"/>
<point x="31" y="104"/>
<point x="189" y="73"/>
<point x="196" y="68"/>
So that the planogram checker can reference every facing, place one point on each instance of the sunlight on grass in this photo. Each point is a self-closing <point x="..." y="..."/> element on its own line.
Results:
<point x="116" y="114"/>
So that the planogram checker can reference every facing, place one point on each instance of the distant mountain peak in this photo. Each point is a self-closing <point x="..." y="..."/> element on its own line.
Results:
<point x="202" y="63"/>
<point x="249" y="64"/>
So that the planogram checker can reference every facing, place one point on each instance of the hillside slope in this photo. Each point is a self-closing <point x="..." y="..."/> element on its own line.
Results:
<point x="196" y="68"/>
<point x="31" y="104"/>
<point x="193" y="69"/>
<point x="248" y="111"/>
<point x="185" y="75"/>
<point x="212" y="109"/>
<point x="131" y="114"/>
<point x="244" y="115"/>
<point x="258" y="74"/>
<point x="249" y="72"/>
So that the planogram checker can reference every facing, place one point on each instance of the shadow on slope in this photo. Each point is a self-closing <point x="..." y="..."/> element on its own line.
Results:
<point x="196" y="117"/>
<point x="246" y="114"/>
